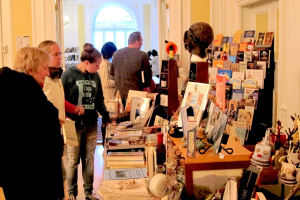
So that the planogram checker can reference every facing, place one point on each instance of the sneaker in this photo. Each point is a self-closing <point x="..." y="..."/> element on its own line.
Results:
<point x="72" y="197"/>
<point x="91" y="197"/>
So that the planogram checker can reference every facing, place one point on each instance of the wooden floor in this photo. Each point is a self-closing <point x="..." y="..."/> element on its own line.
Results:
<point x="98" y="176"/>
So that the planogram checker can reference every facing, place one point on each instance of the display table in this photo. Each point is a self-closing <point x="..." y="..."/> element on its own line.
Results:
<point x="239" y="159"/>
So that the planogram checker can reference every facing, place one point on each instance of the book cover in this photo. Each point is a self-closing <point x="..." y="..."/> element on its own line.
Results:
<point x="269" y="38"/>
<point x="227" y="73"/>
<point x="232" y="111"/>
<point x="240" y="56"/>
<point x="112" y="106"/>
<point x="225" y="40"/>
<point x="120" y="174"/>
<point x="185" y="113"/>
<point x="240" y="75"/>
<point x="262" y="65"/>
<point x="264" y="55"/>
<point x="196" y="95"/>
<point x="241" y="134"/>
<point x="250" y="46"/>
<point x="247" y="56"/>
<point x="226" y="64"/>
<point x="256" y="74"/>
<point x="218" y="40"/>
<point x="230" y="40"/>
<point x="224" y="55"/>
<point x="220" y="91"/>
<point x="226" y="47"/>
<point x="260" y="38"/>
<point x="243" y="67"/>
<point x="251" y="93"/>
<point x="249" y="36"/>
<point x="218" y="63"/>
<point x="235" y="67"/>
<point x="69" y="132"/>
<point x="251" y="65"/>
<point x="232" y="59"/>
<point x="250" y="83"/>
<point x="212" y="74"/>
<point x="217" y="55"/>
<point x="139" y="108"/>
<point x="237" y="94"/>
<point x="255" y="55"/>
<point x="236" y="83"/>
<point x="238" y="37"/>
<point x="245" y="116"/>
<point x="234" y="47"/>
<point x="243" y="47"/>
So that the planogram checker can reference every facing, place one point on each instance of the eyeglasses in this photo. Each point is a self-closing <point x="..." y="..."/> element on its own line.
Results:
<point x="57" y="54"/>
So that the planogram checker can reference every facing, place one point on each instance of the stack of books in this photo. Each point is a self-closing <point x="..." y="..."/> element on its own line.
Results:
<point x="118" y="160"/>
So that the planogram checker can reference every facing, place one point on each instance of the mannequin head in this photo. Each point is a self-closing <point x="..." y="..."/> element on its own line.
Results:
<point x="199" y="36"/>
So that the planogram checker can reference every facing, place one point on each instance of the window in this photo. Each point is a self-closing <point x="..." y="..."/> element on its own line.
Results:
<point x="115" y="24"/>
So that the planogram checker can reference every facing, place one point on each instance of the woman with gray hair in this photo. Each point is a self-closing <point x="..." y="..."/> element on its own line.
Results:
<point x="30" y="140"/>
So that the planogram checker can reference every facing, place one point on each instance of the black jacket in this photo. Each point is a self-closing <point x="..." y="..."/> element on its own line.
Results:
<point x="30" y="140"/>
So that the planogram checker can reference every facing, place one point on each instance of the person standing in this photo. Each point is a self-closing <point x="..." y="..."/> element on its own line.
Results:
<point x="131" y="67"/>
<point x="108" y="84"/>
<point x="155" y="63"/>
<point x="82" y="86"/>
<point x="31" y="144"/>
<point x="53" y="88"/>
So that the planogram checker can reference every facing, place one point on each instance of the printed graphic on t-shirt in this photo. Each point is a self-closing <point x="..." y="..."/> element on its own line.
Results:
<point x="87" y="93"/>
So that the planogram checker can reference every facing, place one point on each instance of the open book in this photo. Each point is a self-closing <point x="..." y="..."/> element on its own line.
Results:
<point x="69" y="132"/>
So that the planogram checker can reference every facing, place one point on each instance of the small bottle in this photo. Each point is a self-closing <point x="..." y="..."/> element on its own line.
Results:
<point x="171" y="53"/>
<point x="163" y="82"/>
<point x="160" y="154"/>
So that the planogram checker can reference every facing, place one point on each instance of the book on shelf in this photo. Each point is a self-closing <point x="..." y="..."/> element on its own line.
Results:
<point x="232" y="59"/>
<point x="234" y="47"/>
<point x="217" y="55"/>
<point x="245" y="116"/>
<point x="243" y="66"/>
<point x="237" y="94"/>
<point x="255" y="55"/>
<point x="260" y="38"/>
<point x="226" y="47"/>
<point x="247" y="56"/>
<point x="264" y="55"/>
<point x="218" y="40"/>
<point x="240" y="75"/>
<point x="218" y="63"/>
<point x="227" y="73"/>
<point x="249" y="36"/>
<point x="249" y="83"/>
<point x="238" y="37"/>
<point x="69" y="132"/>
<point x="236" y="83"/>
<point x="262" y="65"/>
<point x="240" y="56"/>
<point x="235" y="67"/>
<point x="269" y="38"/>
<point x="212" y="74"/>
<point x="220" y="91"/>
<point x="250" y="46"/>
<point x="224" y="55"/>
<point x="129" y="173"/>
<point x="225" y="40"/>
<point x="230" y="40"/>
<point x="251" y="65"/>
<point x="256" y="74"/>
<point x="243" y="47"/>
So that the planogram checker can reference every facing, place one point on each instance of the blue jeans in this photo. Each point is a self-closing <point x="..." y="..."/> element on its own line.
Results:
<point x="87" y="139"/>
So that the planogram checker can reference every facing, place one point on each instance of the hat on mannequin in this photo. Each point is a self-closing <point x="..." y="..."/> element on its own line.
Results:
<point x="199" y="36"/>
